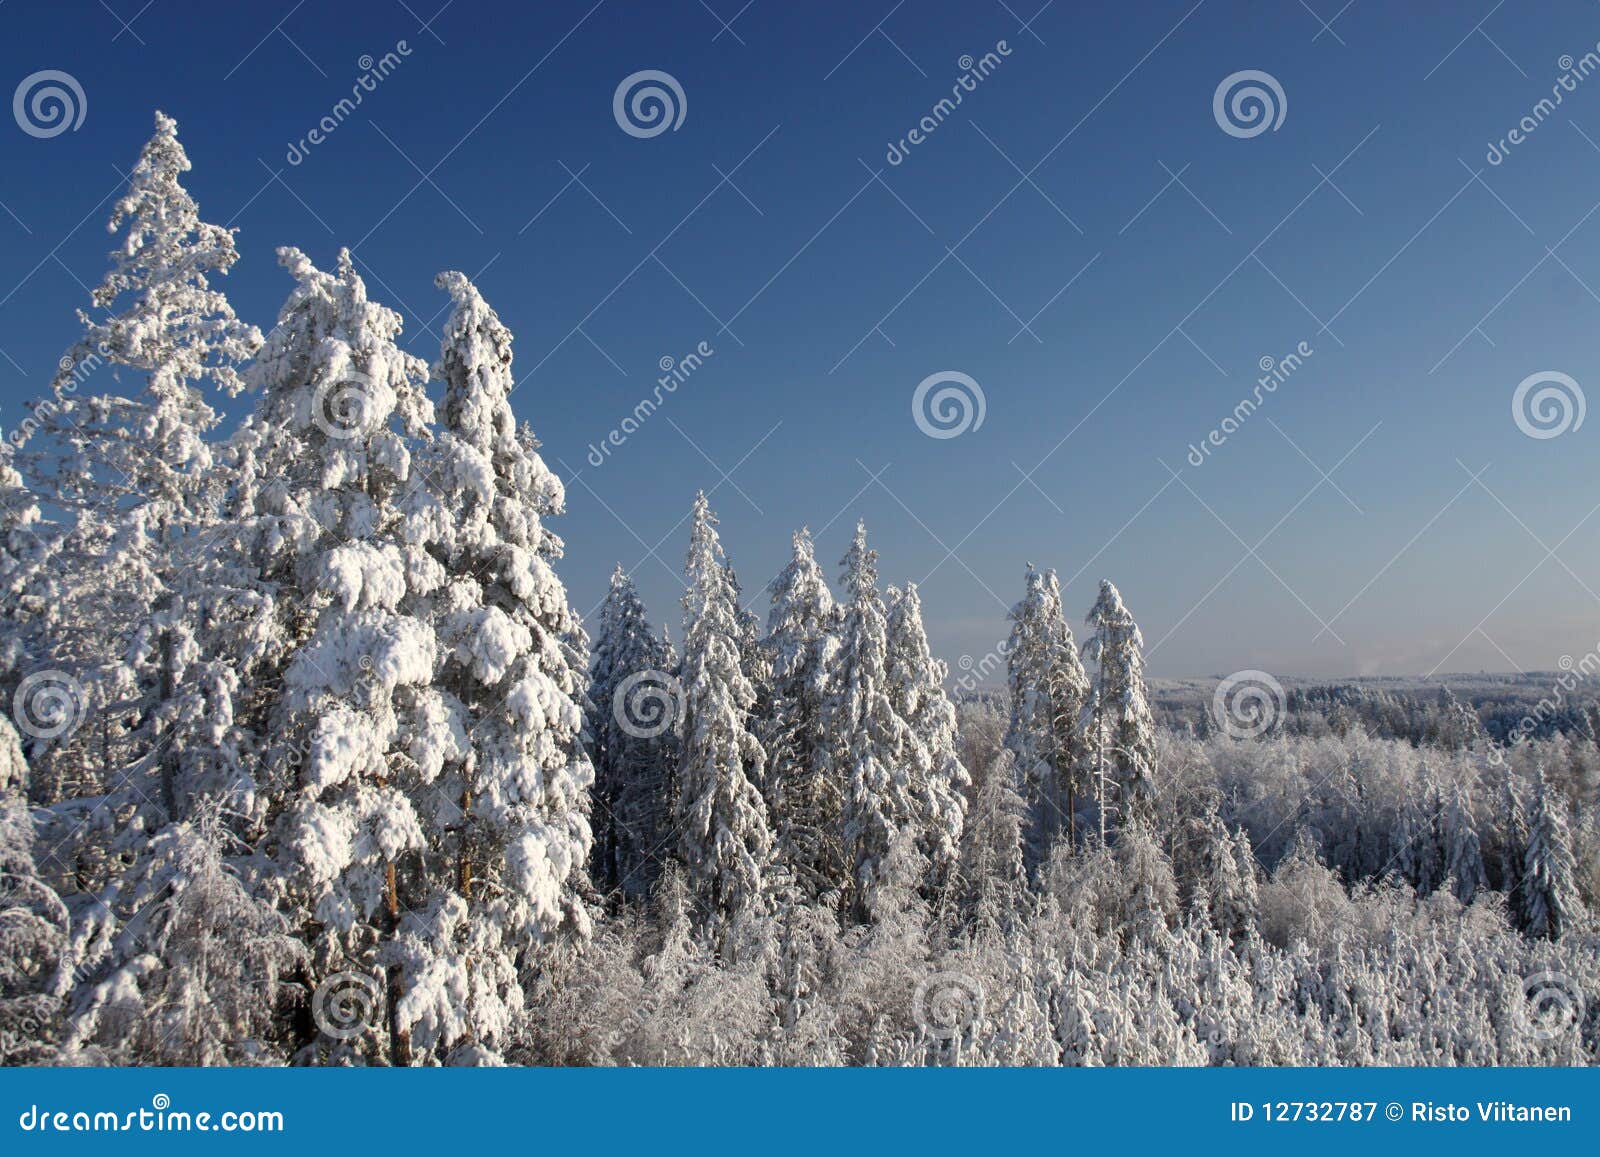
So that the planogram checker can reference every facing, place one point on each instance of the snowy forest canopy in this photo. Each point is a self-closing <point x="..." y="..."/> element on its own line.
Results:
<point x="310" y="761"/>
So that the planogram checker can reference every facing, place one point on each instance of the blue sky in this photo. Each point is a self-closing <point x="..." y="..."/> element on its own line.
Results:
<point x="1084" y="187"/>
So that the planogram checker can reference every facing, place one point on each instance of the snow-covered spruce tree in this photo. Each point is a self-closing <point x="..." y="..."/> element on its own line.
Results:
<point x="1460" y="728"/>
<point x="1549" y="890"/>
<point x="724" y="840"/>
<point x="631" y="684"/>
<point x="804" y="791"/>
<point x="351" y="734"/>
<point x="1463" y="850"/>
<point x="1048" y="692"/>
<point x="1419" y="854"/>
<point x="756" y="663"/>
<point x="1068" y="689"/>
<point x="936" y="778"/>
<point x="134" y="478"/>
<point x="754" y="658"/>
<point x="1123" y="729"/>
<point x="869" y="738"/>
<point x="494" y="763"/>
<point x="129" y="472"/>
<point x="1030" y="737"/>
<point x="1511" y="840"/>
<point x="1216" y="871"/>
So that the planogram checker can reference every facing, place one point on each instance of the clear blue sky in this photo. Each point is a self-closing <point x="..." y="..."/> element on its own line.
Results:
<point x="1182" y="286"/>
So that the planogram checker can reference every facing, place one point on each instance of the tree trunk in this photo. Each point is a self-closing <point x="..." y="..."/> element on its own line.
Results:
<point x="399" y="1039"/>
<point x="169" y="757"/>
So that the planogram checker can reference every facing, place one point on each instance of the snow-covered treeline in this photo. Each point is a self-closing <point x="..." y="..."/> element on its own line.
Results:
<point x="310" y="761"/>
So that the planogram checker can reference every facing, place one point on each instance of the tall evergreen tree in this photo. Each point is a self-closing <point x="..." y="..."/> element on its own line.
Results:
<point x="936" y="778"/>
<point x="131" y="472"/>
<point x="1124" y="729"/>
<point x="1512" y="839"/>
<point x="724" y="839"/>
<point x="869" y="736"/>
<point x="352" y="734"/>
<point x="133" y="476"/>
<point x="1463" y="850"/>
<point x="505" y="866"/>
<point x="804" y="791"/>
<point x="1068" y="689"/>
<point x="1048" y="693"/>
<point x="1031" y="736"/>
<point x="634" y="725"/>
<point x="1549" y="887"/>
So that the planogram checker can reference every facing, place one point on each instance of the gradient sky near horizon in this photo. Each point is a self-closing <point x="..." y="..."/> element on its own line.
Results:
<point x="1080" y="236"/>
